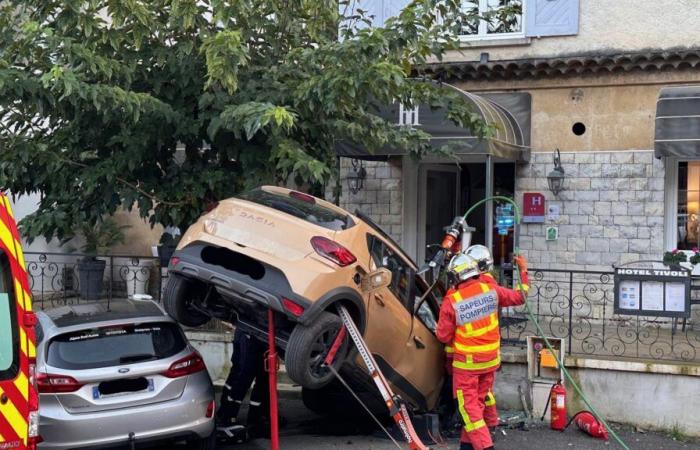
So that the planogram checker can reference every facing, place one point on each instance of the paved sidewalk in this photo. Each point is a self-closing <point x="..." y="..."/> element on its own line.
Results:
<point x="309" y="431"/>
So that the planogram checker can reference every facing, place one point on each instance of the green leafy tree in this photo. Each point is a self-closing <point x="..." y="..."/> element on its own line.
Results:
<point x="167" y="105"/>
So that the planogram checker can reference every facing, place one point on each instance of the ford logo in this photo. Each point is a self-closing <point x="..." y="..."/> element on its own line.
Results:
<point x="123" y="370"/>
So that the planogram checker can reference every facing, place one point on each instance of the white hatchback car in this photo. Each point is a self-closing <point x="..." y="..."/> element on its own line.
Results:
<point x="120" y="375"/>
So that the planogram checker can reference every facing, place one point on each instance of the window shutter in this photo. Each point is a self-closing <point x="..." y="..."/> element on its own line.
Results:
<point x="551" y="17"/>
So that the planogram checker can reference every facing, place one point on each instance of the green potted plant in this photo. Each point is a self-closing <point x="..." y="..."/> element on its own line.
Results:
<point x="97" y="238"/>
<point x="674" y="258"/>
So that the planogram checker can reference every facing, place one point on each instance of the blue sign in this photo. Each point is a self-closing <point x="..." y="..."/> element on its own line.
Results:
<point x="504" y="218"/>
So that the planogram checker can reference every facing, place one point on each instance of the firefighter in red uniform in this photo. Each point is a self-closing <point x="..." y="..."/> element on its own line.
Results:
<point x="469" y="324"/>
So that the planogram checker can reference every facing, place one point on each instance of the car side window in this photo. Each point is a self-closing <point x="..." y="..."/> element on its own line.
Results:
<point x="428" y="311"/>
<point x="384" y="257"/>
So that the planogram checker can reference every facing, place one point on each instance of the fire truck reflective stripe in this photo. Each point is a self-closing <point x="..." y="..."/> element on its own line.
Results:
<point x="23" y="340"/>
<point x="8" y="208"/>
<point x="8" y="433"/>
<point x="23" y="295"/>
<point x="477" y="348"/>
<point x="13" y="416"/>
<point x="490" y="399"/>
<point x="468" y="424"/>
<point x="468" y="365"/>
<point x="7" y="239"/>
<point x="22" y="385"/>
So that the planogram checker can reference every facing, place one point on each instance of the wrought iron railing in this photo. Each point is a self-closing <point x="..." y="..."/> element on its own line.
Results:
<point x="63" y="278"/>
<point x="578" y="306"/>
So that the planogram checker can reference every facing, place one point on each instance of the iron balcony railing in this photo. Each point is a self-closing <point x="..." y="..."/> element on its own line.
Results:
<point x="578" y="306"/>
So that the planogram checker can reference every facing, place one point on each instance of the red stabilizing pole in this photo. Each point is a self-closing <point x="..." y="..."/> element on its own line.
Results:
<point x="272" y="370"/>
<point x="336" y="346"/>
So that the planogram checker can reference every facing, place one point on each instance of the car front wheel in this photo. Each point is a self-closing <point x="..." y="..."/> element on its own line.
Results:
<point x="180" y="294"/>
<point x="308" y="347"/>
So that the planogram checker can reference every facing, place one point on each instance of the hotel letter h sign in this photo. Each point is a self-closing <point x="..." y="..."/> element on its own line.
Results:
<point x="408" y="116"/>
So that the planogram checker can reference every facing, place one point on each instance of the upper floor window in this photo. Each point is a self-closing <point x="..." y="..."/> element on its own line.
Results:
<point x="493" y="18"/>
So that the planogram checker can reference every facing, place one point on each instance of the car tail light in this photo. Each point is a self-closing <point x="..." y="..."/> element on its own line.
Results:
<point x="303" y="197"/>
<point x="188" y="365"/>
<point x="211" y="408"/>
<point x="332" y="250"/>
<point x="33" y="418"/>
<point x="174" y="261"/>
<point x="56" y="384"/>
<point x="294" y="308"/>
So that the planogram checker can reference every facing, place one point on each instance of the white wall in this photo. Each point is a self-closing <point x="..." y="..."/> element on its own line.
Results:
<point x="609" y="25"/>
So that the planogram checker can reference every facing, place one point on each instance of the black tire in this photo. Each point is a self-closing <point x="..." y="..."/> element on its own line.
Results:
<point x="308" y="347"/>
<point x="179" y="294"/>
<point x="208" y="443"/>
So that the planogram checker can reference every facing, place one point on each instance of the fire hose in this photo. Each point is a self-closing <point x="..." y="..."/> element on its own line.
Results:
<point x="540" y="331"/>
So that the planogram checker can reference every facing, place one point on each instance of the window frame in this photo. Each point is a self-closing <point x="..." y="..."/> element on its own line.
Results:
<point x="671" y="168"/>
<point x="372" y="240"/>
<point x="11" y="372"/>
<point x="483" y="34"/>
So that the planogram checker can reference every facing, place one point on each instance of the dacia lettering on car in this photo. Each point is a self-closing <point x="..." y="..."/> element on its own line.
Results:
<point x="19" y="402"/>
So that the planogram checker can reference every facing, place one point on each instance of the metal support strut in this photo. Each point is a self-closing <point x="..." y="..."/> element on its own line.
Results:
<point x="272" y="366"/>
<point x="393" y="402"/>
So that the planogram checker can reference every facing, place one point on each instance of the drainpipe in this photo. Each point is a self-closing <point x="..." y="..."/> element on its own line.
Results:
<point x="489" y="204"/>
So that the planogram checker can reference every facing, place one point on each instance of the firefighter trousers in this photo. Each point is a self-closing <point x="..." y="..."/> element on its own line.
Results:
<point x="490" y="411"/>
<point x="470" y="391"/>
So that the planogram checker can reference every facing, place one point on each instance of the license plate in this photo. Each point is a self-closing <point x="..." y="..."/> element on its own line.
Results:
<point x="97" y="395"/>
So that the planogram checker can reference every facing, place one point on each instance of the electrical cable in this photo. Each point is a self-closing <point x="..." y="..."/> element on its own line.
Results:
<point x="540" y="331"/>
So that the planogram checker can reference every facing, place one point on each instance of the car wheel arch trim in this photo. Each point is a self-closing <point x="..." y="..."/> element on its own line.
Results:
<point x="341" y="294"/>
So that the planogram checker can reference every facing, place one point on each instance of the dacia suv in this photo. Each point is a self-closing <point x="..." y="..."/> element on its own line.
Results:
<point x="302" y="256"/>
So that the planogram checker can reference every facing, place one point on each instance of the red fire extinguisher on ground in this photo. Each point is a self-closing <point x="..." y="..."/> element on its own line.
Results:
<point x="557" y="404"/>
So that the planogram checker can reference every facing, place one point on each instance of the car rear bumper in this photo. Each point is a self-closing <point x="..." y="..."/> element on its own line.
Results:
<point x="181" y="418"/>
<point x="266" y="292"/>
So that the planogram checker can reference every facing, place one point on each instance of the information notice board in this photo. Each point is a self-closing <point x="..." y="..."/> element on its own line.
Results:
<point x="652" y="292"/>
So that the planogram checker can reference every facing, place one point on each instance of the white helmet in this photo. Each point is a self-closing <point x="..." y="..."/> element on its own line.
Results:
<point x="462" y="267"/>
<point x="483" y="257"/>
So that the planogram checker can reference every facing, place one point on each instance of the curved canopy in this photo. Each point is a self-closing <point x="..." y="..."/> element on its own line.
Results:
<point x="677" y="131"/>
<point x="509" y="112"/>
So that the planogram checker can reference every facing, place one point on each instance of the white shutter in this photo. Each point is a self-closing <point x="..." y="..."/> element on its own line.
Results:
<point x="551" y="17"/>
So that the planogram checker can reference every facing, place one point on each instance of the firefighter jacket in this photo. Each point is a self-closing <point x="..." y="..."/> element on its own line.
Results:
<point x="468" y="323"/>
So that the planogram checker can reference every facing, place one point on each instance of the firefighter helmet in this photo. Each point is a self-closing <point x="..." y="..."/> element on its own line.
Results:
<point x="483" y="257"/>
<point x="462" y="267"/>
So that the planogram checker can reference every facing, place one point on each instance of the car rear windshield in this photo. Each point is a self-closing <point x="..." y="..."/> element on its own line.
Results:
<point x="300" y="206"/>
<point x="115" y="345"/>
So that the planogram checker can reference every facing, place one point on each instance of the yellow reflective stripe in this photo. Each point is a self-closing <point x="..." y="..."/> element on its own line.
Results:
<point x="468" y="424"/>
<point x="477" y="348"/>
<point x="11" y="414"/>
<point x="476" y="366"/>
<point x="23" y="340"/>
<point x="31" y="349"/>
<point x="7" y="239"/>
<point x="481" y="331"/>
<point x="25" y="300"/>
<point x="490" y="399"/>
<point x="484" y="287"/>
<point x="22" y="384"/>
<point x="522" y="287"/>
<point x="457" y="296"/>
<point x="8" y="208"/>
<point x="449" y="349"/>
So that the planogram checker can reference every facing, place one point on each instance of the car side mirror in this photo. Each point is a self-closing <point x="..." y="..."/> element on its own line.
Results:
<point x="376" y="280"/>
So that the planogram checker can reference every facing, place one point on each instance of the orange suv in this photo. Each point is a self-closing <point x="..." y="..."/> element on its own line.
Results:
<point x="302" y="256"/>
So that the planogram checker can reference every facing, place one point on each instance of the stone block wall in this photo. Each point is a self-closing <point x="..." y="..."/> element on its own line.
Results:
<point x="381" y="198"/>
<point x="611" y="211"/>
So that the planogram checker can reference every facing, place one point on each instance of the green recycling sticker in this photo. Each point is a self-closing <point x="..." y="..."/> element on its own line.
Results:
<point x="6" y="347"/>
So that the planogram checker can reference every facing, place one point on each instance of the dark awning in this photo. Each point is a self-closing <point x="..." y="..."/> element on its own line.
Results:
<point x="509" y="112"/>
<point x="678" y="122"/>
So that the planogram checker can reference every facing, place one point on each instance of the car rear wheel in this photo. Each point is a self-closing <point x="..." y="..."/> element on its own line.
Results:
<point x="308" y="347"/>
<point x="180" y="294"/>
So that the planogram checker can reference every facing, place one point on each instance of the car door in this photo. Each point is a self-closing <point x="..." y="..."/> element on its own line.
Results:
<point x="406" y="350"/>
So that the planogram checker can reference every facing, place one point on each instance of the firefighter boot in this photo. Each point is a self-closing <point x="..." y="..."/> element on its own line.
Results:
<point x="465" y="446"/>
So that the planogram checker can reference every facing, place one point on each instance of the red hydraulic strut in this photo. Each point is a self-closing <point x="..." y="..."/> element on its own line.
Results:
<point x="272" y="367"/>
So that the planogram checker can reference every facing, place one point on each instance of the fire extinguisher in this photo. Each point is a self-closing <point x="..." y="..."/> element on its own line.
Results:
<point x="557" y="403"/>
<point x="587" y="422"/>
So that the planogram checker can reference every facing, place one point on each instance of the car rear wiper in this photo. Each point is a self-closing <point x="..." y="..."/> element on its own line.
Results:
<point x="136" y="358"/>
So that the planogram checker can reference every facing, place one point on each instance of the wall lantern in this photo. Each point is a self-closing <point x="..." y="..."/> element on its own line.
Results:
<point x="556" y="177"/>
<point x="356" y="177"/>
